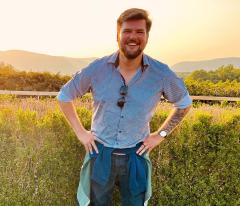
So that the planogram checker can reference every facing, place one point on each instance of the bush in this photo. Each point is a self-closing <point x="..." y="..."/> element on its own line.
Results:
<point x="198" y="164"/>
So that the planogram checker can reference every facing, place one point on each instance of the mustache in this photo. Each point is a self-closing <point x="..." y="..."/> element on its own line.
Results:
<point x="132" y="41"/>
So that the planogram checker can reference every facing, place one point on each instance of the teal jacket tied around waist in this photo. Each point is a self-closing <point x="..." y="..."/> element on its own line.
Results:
<point x="136" y="167"/>
<point x="83" y="192"/>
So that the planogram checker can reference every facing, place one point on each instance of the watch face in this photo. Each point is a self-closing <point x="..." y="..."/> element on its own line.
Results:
<point x="163" y="133"/>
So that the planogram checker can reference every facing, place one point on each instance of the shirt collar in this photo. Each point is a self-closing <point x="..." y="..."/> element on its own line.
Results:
<point x="114" y="59"/>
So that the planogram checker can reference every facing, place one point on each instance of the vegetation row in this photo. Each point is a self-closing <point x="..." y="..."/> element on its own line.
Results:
<point x="224" y="81"/>
<point x="198" y="164"/>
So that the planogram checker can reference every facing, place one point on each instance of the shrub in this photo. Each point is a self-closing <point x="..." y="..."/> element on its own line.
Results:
<point x="198" y="164"/>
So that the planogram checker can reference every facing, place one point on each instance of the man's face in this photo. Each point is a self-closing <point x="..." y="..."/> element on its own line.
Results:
<point x="132" y="38"/>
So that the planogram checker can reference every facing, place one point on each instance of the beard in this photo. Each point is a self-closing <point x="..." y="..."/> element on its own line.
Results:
<point x="131" y="54"/>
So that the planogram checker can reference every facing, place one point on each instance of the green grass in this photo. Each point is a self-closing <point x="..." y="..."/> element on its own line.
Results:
<point x="198" y="164"/>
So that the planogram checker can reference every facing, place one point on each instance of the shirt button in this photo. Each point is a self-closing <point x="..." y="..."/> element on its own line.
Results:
<point x="122" y="116"/>
<point x="120" y="131"/>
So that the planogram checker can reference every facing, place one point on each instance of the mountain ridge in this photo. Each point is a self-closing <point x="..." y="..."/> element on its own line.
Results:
<point x="32" y="61"/>
<point x="208" y="65"/>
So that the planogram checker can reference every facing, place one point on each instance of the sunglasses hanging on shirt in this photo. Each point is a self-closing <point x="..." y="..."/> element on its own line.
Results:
<point x="123" y="92"/>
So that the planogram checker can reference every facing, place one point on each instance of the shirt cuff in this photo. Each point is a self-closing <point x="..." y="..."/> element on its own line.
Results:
<point x="184" y="102"/>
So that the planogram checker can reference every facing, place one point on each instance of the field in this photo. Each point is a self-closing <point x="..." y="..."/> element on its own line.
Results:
<point x="198" y="164"/>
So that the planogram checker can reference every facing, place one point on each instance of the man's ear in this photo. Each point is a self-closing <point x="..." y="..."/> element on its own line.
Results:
<point x="117" y="36"/>
<point x="147" y="37"/>
<point x="118" y="30"/>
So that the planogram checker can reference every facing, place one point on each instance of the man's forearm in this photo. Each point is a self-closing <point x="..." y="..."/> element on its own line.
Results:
<point x="71" y="115"/>
<point x="175" y="117"/>
<point x="85" y="137"/>
<point x="169" y="124"/>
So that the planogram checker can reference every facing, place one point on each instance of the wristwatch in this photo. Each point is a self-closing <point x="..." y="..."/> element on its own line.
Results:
<point x="162" y="133"/>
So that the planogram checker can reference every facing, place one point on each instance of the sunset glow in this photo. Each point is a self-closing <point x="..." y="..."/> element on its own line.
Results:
<point x="182" y="30"/>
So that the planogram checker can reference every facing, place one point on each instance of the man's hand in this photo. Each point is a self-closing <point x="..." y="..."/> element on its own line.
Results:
<point x="87" y="139"/>
<point x="150" y="143"/>
<point x="169" y="124"/>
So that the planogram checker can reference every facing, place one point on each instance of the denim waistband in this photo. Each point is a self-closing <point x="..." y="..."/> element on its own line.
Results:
<point x="124" y="151"/>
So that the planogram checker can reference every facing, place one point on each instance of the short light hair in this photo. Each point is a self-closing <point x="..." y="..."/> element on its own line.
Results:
<point x="134" y="14"/>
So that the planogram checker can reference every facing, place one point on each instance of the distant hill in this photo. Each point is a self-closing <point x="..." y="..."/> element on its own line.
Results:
<point x="212" y="64"/>
<point x="29" y="61"/>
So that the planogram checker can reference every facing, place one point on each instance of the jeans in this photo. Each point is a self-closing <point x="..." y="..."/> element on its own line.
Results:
<point x="102" y="195"/>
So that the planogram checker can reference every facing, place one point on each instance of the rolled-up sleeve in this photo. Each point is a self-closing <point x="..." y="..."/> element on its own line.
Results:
<point x="175" y="92"/>
<point x="184" y="102"/>
<point x="79" y="85"/>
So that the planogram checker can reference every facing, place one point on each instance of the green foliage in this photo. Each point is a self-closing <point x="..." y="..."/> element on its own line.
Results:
<point x="238" y="104"/>
<point x="157" y="119"/>
<point x="225" y="81"/>
<point x="4" y="97"/>
<point x="87" y="98"/>
<point x="223" y="74"/>
<point x="40" y="159"/>
<point x="208" y="88"/>
<point x="11" y="79"/>
<point x="6" y="69"/>
<point x="198" y="164"/>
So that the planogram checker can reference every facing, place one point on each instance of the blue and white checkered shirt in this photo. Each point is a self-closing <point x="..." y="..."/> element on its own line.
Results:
<point x="124" y="128"/>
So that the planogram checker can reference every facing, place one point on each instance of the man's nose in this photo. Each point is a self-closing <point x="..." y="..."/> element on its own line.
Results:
<point x="133" y="35"/>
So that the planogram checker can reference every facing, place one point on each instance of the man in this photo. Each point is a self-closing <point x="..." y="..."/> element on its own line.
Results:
<point x="126" y="88"/>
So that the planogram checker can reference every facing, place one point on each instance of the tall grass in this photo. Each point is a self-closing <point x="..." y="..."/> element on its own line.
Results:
<point x="198" y="164"/>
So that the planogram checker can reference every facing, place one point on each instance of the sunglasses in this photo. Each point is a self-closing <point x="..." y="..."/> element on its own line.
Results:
<point x="123" y="92"/>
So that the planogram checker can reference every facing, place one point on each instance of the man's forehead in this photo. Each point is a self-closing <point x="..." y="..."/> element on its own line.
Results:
<point x="139" y="23"/>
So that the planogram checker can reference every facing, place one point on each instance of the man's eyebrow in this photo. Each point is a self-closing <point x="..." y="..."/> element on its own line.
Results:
<point x="140" y="29"/>
<point x="128" y="29"/>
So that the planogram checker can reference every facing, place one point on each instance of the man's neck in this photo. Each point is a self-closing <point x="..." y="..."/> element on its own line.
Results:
<point x="129" y="65"/>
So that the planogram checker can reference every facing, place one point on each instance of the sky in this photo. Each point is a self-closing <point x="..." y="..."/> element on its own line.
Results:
<point x="182" y="30"/>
